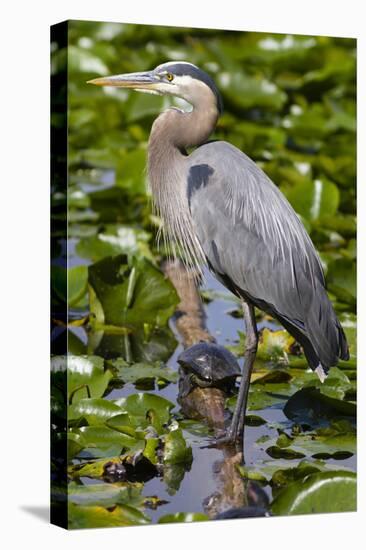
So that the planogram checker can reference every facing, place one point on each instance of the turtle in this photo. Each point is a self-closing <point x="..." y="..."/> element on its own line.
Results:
<point x="207" y="365"/>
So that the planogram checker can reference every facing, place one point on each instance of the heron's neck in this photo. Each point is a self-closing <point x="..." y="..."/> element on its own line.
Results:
<point x="172" y="132"/>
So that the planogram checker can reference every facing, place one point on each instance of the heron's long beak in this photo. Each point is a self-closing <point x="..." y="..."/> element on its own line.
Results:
<point x="137" y="81"/>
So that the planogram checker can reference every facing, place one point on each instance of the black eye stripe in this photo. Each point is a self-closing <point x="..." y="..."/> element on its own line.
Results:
<point x="183" y="69"/>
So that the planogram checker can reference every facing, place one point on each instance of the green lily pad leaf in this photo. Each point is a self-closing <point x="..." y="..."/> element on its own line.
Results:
<point x="106" y="494"/>
<point x="84" y="61"/>
<point x="209" y="295"/>
<point x="322" y="492"/>
<point x="257" y="138"/>
<point x="139" y="371"/>
<point x="348" y="321"/>
<point x="309" y="404"/>
<point x="94" y="469"/>
<point x="183" y="517"/>
<point x="283" y="477"/>
<point x="259" y="399"/>
<point x="114" y="204"/>
<point x="279" y="452"/>
<point x="70" y="285"/>
<point x="59" y="282"/>
<point x="151" y="447"/>
<point x="122" y="423"/>
<point x="253" y="474"/>
<point x="131" y="294"/>
<point x="341" y="279"/>
<point x="335" y="385"/>
<point x="195" y="427"/>
<point x="274" y="345"/>
<point x="95" y="411"/>
<point x="284" y="440"/>
<point x="141" y="106"/>
<point x="345" y="225"/>
<point x="263" y="471"/>
<point x="254" y="420"/>
<point x="140" y="345"/>
<point x="244" y="91"/>
<point x="139" y="404"/>
<point x="176" y="450"/>
<point x="103" y="441"/>
<point x="80" y="517"/>
<point x="333" y="446"/>
<point x="75" y="346"/>
<point x="332" y="441"/>
<point x="131" y="171"/>
<point x="75" y="444"/>
<point x="86" y="377"/>
<point x="76" y="197"/>
<point x="138" y="461"/>
<point x="115" y="240"/>
<point x="282" y="50"/>
<point x="314" y="199"/>
<point x="275" y="376"/>
<point x="173" y="476"/>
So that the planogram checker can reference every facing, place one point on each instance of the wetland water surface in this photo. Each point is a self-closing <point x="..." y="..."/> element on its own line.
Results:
<point x="200" y="481"/>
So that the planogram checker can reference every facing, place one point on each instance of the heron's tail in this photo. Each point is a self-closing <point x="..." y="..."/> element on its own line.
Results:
<point x="326" y="335"/>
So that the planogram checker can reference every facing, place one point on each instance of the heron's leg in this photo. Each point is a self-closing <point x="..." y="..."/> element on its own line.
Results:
<point x="236" y="430"/>
<point x="235" y="434"/>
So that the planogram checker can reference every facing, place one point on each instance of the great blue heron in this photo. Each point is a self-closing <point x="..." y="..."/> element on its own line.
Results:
<point x="224" y="211"/>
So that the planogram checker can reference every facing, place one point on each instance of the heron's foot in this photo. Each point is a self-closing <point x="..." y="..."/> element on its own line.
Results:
<point x="227" y="439"/>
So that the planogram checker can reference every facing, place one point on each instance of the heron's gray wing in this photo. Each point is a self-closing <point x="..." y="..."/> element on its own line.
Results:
<point x="255" y="243"/>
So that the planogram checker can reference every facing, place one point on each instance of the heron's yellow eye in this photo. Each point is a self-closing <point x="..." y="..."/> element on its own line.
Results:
<point x="169" y="76"/>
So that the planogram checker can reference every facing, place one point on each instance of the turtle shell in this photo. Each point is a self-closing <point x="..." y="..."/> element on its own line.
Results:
<point x="209" y="362"/>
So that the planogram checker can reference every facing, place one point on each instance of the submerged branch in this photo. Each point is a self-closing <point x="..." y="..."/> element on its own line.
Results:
<point x="190" y="321"/>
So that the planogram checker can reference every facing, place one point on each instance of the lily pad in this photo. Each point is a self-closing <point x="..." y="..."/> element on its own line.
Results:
<point x="131" y="167"/>
<point x="283" y="477"/>
<point x="245" y="91"/>
<point x="309" y="404"/>
<point x="183" y="517"/>
<point x="259" y="399"/>
<point x="139" y="371"/>
<point x="94" y="469"/>
<point x="70" y="285"/>
<point x="96" y="411"/>
<point x="263" y="471"/>
<point x="322" y="492"/>
<point x="176" y="450"/>
<point x="103" y="441"/>
<point x="86" y="376"/>
<point x="139" y="404"/>
<point x="122" y="423"/>
<point x="336" y="385"/>
<point x="342" y="280"/>
<point x="142" y="345"/>
<point x="83" y="517"/>
<point x="314" y="199"/>
<point x="273" y="345"/>
<point x="75" y="444"/>
<point x="129" y="294"/>
<point x="114" y="240"/>
<point x="106" y="494"/>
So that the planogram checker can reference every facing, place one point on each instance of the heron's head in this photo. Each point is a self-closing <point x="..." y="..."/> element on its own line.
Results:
<point x="175" y="78"/>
